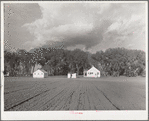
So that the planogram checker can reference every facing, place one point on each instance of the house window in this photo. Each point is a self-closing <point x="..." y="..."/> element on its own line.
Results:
<point x="34" y="73"/>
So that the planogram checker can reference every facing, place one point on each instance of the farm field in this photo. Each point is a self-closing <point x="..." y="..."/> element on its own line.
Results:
<point x="60" y="93"/>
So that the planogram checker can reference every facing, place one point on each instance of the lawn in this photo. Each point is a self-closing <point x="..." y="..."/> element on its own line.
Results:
<point x="61" y="93"/>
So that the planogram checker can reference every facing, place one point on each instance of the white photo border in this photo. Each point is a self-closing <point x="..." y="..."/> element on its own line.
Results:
<point x="71" y="115"/>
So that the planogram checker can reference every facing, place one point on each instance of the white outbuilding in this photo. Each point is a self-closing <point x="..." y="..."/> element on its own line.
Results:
<point x="68" y="75"/>
<point x="40" y="73"/>
<point x="74" y="75"/>
<point x="92" y="72"/>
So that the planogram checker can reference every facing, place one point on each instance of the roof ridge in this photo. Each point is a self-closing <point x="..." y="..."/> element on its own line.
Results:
<point x="42" y="70"/>
<point x="94" y="68"/>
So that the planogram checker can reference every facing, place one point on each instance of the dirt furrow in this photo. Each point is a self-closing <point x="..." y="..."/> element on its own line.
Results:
<point x="34" y="101"/>
<point x="66" y="101"/>
<point x="27" y="87"/>
<point x="63" y="97"/>
<point x="28" y="94"/>
<point x="86" y="103"/>
<point x="81" y="98"/>
<point x="11" y="85"/>
<point x="11" y="108"/>
<point x="90" y="96"/>
<point x="25" y="96"/>
<point x="56" y="100"/>
<point x="21" y="97"/>
<point x="107" y="99"/>
<point x="67" y="104"/>
<point x="75" y="98"/>
<point x="37" y="102"/>
<point x="45" y="102"/>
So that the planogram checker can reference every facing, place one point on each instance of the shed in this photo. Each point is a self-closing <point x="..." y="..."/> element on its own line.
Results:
<point x="92" y="72"/>
<point x="68" y="75"/>
<point x="40" y="73"/>
<point x="74" y="75"/>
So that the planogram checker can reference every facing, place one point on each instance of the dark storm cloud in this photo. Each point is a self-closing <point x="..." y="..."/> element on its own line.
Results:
<point x="88" y="24"/>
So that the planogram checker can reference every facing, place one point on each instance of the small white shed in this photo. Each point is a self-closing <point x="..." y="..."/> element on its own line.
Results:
<point x="68" y="75"/>
<point x="40" y="73"/>
<point x="92" y="72"/>
<point x="74" y="75"/>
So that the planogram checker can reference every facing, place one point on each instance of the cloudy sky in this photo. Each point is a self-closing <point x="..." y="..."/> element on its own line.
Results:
<point x="87" y="26"/>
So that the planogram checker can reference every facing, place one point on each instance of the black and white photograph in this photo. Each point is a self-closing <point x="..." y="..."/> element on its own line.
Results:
<point x="75" y="59"/>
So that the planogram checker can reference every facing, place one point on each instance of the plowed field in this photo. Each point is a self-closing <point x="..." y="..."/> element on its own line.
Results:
<point x="60" y="93"/>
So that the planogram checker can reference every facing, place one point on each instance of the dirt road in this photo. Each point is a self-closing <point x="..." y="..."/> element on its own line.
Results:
<point x="60" y="93"/>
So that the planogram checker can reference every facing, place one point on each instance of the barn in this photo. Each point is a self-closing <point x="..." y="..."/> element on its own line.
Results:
<point x="40" y="73"/>
<point x="92" y="72"/>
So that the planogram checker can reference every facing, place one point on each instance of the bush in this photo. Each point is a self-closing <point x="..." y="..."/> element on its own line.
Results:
<point x="143" y="73"/>
<point x="115" y="74"/>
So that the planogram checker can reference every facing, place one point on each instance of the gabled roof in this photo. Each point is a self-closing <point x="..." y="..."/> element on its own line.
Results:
<point x="93" y="69"/>
<point x="41" y="70"/>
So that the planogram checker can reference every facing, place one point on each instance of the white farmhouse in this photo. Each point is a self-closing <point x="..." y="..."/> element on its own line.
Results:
<point x="40" y="73"/>
<point x="92" y="72"/>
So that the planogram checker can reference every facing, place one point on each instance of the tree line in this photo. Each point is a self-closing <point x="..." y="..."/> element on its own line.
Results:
<point x="112" y="62"/>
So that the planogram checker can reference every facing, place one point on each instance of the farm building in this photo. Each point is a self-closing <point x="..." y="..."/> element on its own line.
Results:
<point x="92" y="72"/>
<point x="40" y="73"/>
<point x="69" y="75"/>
